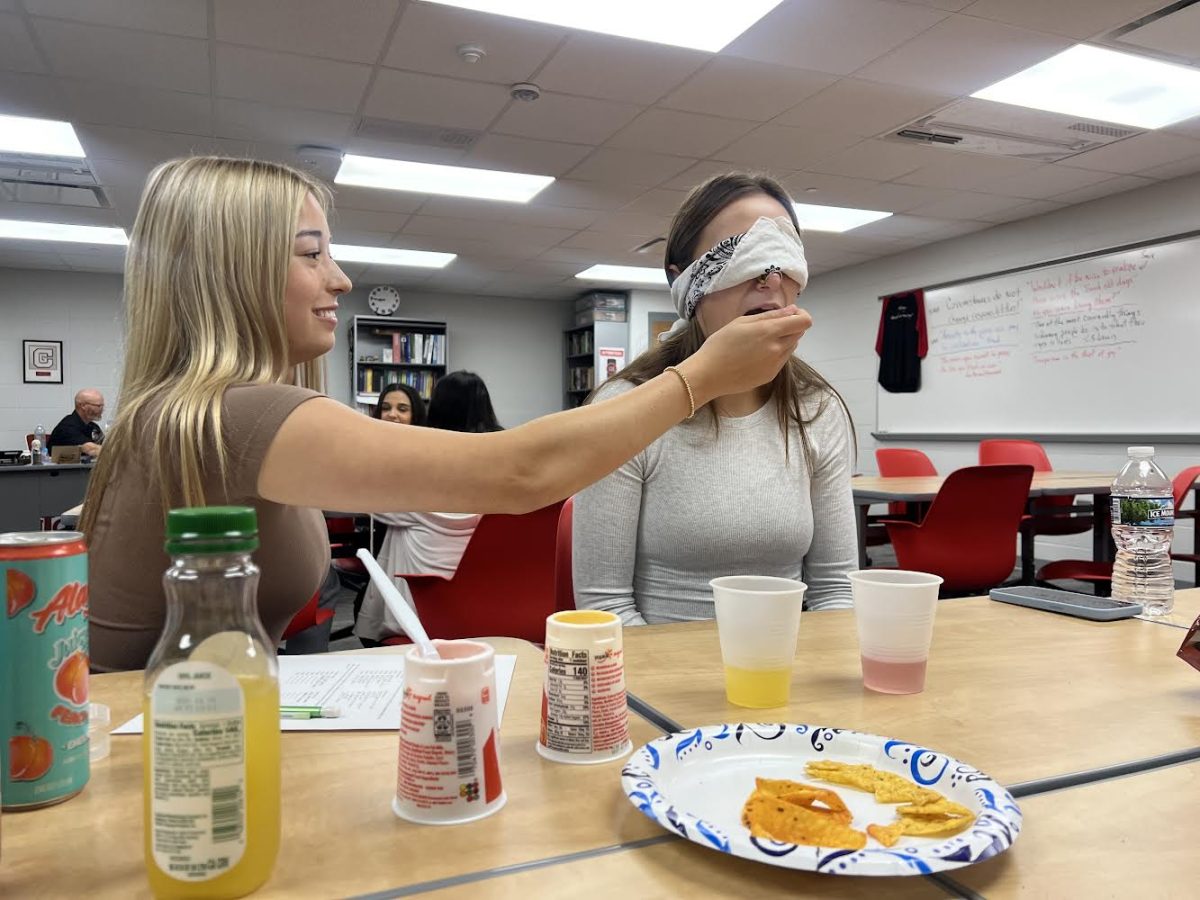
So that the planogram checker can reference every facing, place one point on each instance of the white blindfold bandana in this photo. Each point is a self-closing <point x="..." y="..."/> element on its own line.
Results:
<point x="771" y="245"/>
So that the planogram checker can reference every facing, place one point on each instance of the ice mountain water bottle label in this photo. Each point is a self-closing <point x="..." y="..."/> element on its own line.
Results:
<point x="1150" y="512"/>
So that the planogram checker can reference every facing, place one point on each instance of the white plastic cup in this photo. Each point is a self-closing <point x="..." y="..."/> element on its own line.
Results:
<point x="99" y="725"/>
<point x="585" y="718"/>
<point x="894" y="611"/>
<point x="449" y="758"/>
<point x="758" y="620"/>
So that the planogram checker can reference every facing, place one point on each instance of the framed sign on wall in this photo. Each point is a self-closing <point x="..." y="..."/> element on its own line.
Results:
<point x="43" y="362"/>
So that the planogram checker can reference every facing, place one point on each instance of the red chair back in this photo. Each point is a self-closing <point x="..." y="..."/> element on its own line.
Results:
<point x="309" y="616"/>
<point x="898" y="462"/>
<point x="564" y="579"/>
<point x="1181" y="485"/>
<point x="504" y="585"/>
<point x="1030" y="453"/>
<point x="969" y="535"/>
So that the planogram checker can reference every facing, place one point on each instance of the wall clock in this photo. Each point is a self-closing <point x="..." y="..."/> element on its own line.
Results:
<point x="383" y="300"/>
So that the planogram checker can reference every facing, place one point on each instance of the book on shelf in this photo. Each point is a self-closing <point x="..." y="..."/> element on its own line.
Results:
<point x="373" y="379"/>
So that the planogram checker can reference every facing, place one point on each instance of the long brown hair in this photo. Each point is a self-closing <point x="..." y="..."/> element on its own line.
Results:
<point x="797" y="381"/>
<point x="205" y="275"/>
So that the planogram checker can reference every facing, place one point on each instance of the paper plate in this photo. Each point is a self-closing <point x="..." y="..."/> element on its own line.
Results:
<point x="695" y="783"/>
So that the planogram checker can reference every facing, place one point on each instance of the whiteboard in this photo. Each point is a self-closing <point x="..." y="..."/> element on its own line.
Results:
<point x="1105" y="345"/>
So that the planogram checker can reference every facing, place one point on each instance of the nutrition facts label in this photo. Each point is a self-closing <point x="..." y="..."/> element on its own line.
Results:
<point x="568" y="700"/>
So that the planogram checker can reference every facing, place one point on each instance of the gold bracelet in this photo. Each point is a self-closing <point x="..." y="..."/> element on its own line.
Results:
<point x="688" y="387"/>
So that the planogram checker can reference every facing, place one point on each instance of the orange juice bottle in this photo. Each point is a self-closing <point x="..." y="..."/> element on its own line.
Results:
<point x="210" y="748"/>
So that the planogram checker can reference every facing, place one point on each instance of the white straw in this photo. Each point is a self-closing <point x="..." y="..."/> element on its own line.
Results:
<point x="405" y="615"/>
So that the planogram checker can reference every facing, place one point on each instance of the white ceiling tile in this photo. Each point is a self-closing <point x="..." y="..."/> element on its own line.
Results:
<point x="1188" y="166"/>
<point x="1075" y="18"/>
<point x="48" y="212"/>
<point x="429" y="35"/>
<point x="1132" y="156"/>
<point x="904" y="227"/>
<point x="185" y="18"/>
<point x="521" y="213"/>
<point x="444" y="155"/>
<point x="837" y="36"/>
<point x="17" y="52"/>
<point x="702" y="171"/>
<point x="287" y="80"/>
<point x="1176" y="34"/>
<point x="137" y="106"/>
<point x="434" y="100"/>
<point x="781" y="148"/>
<point x="597" y="65"/>
<point x="365" y="220"/>
<point x="744" y="89"/>
<point x="865" y="108"/>
<point x="862" y="193"/>
<point x="629" y="167"/>
<point x="498" y="233"/>
<point x="399" y="202"/>
<point x="877" y="160"/>
<point x="948" y="5"/>
<point x="625" y="222"/>
<point x="261" y="121"/>
<point x="128" y="57"/>
<point x="684" y="133"/>
<point x="1026" y="210"/>
<point x="360" y="237"/>
<point x="591" y="195"/>
<point x="135" y="147"/>
<point x="558" y="117"/>
<point x="607" y="241"/>
<point x="1046" y="181"/>
<point x="658" y="201"/>
<point x="514" y="154"/>
<point x="308" y="27"/>
<point x="1188" y="127"/>
<point x="966" y="171"/>
<point x="23" y="94"/>
<point x="968" y="205"/>
<point x="960" y="55"/>
<point x="15" y="256"/>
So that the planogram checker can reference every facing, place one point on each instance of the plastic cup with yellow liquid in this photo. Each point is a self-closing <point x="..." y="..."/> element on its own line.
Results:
<point x="758" y="620"/>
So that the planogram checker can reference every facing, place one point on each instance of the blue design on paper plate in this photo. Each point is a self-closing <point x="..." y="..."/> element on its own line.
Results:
<point x="692" y="741"/>
<point x="653" y="751"/>
<point x="918" y="758"/>
<point x="713" y="835"/>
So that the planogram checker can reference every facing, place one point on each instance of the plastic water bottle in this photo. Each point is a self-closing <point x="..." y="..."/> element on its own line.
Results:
<point x="1143" y="522"/>
<point x="39" y="435"/>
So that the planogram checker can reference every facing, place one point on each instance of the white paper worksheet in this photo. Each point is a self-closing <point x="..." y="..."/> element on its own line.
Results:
<point x="366" y="688"/>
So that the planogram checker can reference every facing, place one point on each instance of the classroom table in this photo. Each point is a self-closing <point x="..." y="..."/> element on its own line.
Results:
<point x="33" y="493"/>
<point x="870" y="489"/>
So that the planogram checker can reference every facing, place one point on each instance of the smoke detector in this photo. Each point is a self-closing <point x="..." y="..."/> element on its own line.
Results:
<point x="525" y="91"/>
<point x="322" y="161"/>
<point x="471" y="53"/>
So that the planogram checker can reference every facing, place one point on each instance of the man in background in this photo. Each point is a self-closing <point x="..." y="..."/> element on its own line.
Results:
<point x="82" y="427"/>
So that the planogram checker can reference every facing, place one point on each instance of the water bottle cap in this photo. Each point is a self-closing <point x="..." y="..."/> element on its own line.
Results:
<point x="1141" y="452"/>
<point x="212" y="529"/>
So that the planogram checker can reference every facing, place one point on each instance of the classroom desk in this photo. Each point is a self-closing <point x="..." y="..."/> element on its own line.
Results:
<point x="340" y="836"/>
<point x="1019" y="693"/>
<point x="869" y="489"/>
<point x="27" y="493"/>
<point x="1187" y="608"/>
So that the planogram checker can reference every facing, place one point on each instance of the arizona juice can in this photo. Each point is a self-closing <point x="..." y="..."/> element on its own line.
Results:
<point x="43" y="668"/>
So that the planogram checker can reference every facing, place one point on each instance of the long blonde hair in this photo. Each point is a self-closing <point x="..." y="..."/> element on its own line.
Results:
<point x="205" y="276"/>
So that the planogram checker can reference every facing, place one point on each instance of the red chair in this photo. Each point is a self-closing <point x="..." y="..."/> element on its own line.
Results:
<point x="504" y="586"/>
<point x="309" y="617"/>
<point x="900" y="462"/>
<point x="1099" y="574"/>
<point x="564" y="578"/>
<point x="969" y="535"/>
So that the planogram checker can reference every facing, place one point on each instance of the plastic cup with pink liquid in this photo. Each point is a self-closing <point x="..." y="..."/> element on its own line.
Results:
<point x="894" y="611"/>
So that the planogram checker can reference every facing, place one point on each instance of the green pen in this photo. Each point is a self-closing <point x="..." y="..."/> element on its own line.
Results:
<point x="309" y="712"/>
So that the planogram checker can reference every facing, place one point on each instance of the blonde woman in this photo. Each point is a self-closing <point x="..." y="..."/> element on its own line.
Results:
<point x="230" y="304"/>
<point x="758" y="483"/>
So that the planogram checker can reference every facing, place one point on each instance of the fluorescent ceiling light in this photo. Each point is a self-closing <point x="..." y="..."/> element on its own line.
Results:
<point x="633" y="274"/>
<point x="835" y="218"/>
<point x="390" y="256"/>
<point x="41" y="137"/>
<point x="698" y="24"/>
<point x="1095" y="83"/>
<point x="427" y="178"/>
<point x="53" y="231"/>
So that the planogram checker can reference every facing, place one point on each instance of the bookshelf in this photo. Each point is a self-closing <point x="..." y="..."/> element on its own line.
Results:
<point x="581" y="351"/>
<point x="385" y="350"/>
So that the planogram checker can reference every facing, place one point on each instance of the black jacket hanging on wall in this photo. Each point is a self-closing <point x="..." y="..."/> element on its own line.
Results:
<point x="901" y="342"/>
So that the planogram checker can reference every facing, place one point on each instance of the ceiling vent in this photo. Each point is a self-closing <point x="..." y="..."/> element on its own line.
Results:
<point x="417" y="134"/>
<point x="1000" y="129"/>
<point x="40" y="179"/>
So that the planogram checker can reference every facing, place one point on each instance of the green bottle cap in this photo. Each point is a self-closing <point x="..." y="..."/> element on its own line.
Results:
<point x="212" y="529"/>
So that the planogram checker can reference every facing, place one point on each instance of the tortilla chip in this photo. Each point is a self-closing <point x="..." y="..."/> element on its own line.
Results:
<point x="887" y="835"/>
<point x="941" y="808"/>
<point x="773" y="818"/>
<point x="935" y="827"/>
<point x="887" y="787"/>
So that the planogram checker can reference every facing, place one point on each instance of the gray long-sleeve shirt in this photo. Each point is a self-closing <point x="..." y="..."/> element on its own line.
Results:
<point x="693" y="506"/>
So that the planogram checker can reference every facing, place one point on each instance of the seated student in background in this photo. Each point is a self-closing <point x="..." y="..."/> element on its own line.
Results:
<point x="427" y="543"/>
<point x="81" y="428"/>
<point x="757" y="483"/>
<point x="402" y="404"/>
<point x="230" y="301"/>
<point x="461" y="402"/>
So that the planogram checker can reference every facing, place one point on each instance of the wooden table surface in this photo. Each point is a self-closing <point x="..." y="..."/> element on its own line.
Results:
<point x="1019" y="693"/>
<point x="340" y="836"/>
<point x="1125" y="837"/>
<point x="1187" y="607"/>
<point x="878" y="488"/>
